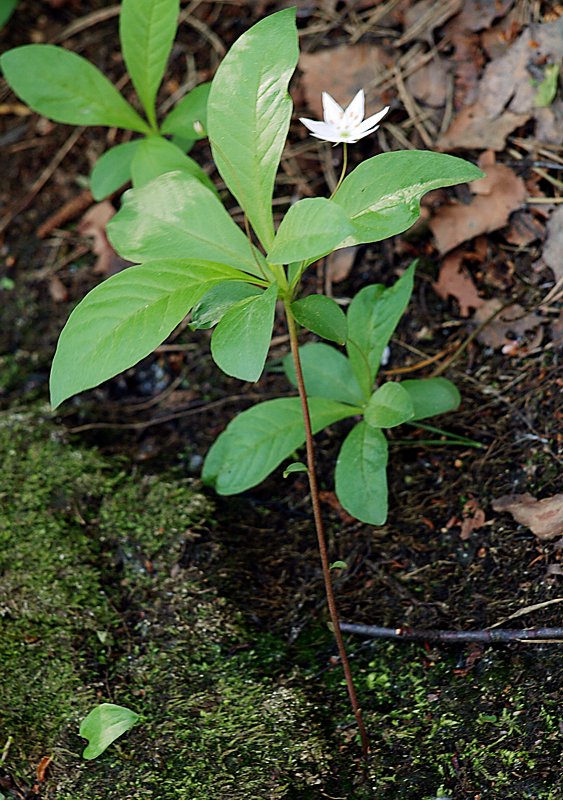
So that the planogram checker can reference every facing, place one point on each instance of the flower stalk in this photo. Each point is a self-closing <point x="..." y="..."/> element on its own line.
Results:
<point x="319" y="527"/>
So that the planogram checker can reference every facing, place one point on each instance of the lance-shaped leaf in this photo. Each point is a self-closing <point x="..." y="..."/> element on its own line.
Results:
<point x="147" y="29"/>
<point x="261" y="438"/>
<point x="113" y="169"/>
<point x="241" y="340"/>
<point x="431" y="396"/>
<point x="103" y="725"/>
<point x="6" y="9"/>
<point x="327" y="373"/>
<point x="311" y="228"/>
<point x="373" y="315"/>
<point x="175" y="216"/>
<point x="155" y="156"/>
<point x="218" y="300"/>
<point x="389" y="406"/>
<point x="65" y="87"/>
<point x="360" y="476"/>
<point x="323" y="316"/>
<point x="124" y="318"/>
<point x="188" y="118"/>
<point x="248" y="115"/>
<point x="382" y="195"/>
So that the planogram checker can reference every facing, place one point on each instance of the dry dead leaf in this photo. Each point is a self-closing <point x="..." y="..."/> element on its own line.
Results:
<point x="342" y="71"/>
<point x="506" y="94"/>
<point x="499" y="193"/>
<point x="473" y="519"/>
<point x="93" y="225"/>
<point x="553" y="247"/>
<point x="424" y="16"/>
<point x="454" y="281"/>
<point x="509" y="328"/>
<point x="429" y="84"/>
<point x="524" y="229"/>
<point x="339" y="263"/>
<point x="57" y="289"/>
<point x="543" y="517"/>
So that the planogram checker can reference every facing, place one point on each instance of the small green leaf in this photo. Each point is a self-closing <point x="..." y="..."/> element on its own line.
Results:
<point x="339" y="565"/>
<point x="103" y="725"/>
<point x="188" y="118"/>
<point x="249" y="112"/>
<point x="431" y="396"/>
<point x="65" y="87"/>
<point x="323" y="316"/>
<point x="389" y="406"/>
<point x="547" y="90"/>
<point x="6" y="10"/>
<point x="360" y="476"/>
<point x="216" y="302"/>
<point x="373" y="315"/>
<point x="241" y="340"/>
<point x="113" y="169"/>
<point x="175" y="216"/>
<point x="297" y="466"/>
<point x="147" y="29"/>
<point x="259" y="439"/>
<point x="155" y="156"/>
<point x="327" y="373"/>
<point x="382" y="195"/>
<point x="124" y="318"/>
<point x="311" y="228"/>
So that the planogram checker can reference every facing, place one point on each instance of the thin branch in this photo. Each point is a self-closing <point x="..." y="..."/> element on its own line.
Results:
<point x="489" y="636"/>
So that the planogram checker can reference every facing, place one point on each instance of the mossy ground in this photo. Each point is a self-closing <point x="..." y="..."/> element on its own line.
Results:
<point x="99" y="603"/>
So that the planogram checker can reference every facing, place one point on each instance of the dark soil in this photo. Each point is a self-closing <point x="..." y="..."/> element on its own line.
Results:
<point x="224" y="622"/>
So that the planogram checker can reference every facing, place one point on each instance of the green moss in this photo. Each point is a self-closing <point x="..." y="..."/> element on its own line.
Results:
<point x="99" y="606"/>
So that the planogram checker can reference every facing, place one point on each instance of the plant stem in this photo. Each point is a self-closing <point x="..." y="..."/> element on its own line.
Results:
<point x="321" y="539"/>
<point x="342" y="171"/>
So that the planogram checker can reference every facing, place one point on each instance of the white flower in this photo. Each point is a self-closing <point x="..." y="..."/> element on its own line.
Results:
<point x="344" y="125"/>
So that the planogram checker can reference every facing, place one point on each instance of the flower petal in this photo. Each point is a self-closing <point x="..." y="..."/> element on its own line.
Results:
<point x="320" y="129"/>
<point x="354" y="114"/>
<point x="332" y="112"/>
<point x="373" y="120"/>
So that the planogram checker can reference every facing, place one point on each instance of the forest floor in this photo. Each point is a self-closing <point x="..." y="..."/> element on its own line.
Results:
<point x="123" y="580"/>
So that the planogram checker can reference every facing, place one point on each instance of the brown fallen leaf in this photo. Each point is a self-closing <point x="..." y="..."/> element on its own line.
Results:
<point x="339" y="263"/>
<point x="342" y="71"/>
<point x="506" y="93"/>
<point x="524" y="229"/>
<point x="429" y="84"/>
<point x="424" y="16"/>
<point x="553" y="248"/>
<point x="454" y="281"/>
<point x="93" y="225"/>
<point x="42" y="767"/>
<point x="499" y="193"/>
<point x="509" y="328"/>
<point x="543" y="517"/>
<point x="57" y="289"/>
<point x="473" y="519"/>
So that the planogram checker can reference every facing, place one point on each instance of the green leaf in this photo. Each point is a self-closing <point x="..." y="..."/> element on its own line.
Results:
<point x="297" y="466"/>
<point x="390" y="405"/>
<point x="103" y="725"/>
<point x="373" y="315"/>
<point x="327" y="373"/>
<point x="175" y="216"/>
<point x="216" y="302"/>
<point x="6" y="10"/>
<point x="65" y="87"/>
<point x="339" y="565"/>
<point x="113" y="169"/>
<point x="261" y="438"/>
<point x="147" y="29"/>
<point x="547" y="90"/>
<point x="248" y="115"/>
<point x="241" y="340"/>
<point x="431" y="396"/>
<point x="360" y="476"/>
<point x="189" y="112"/>
<point x="155" y="156"/>
<point x="323" y="316"/>
<point x="311" y="228"/>
<point x="382" y="195"/>
<point x="124" y="318"/>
